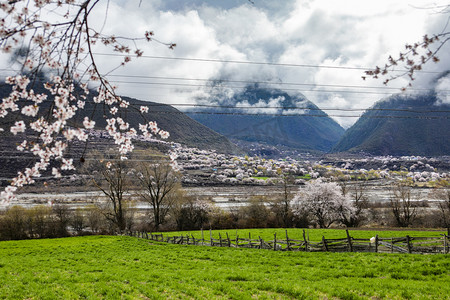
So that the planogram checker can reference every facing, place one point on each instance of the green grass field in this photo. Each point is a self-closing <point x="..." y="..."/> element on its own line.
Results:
<point x="111" y="267"/>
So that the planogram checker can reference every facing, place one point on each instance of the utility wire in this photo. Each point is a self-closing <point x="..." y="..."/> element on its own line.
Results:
<point x="157" y="104"/>
<point x="254" y="62"/>
<point x="295" y="107"/>
<point x="269" y="82"/>
<point x="312" y="85"/>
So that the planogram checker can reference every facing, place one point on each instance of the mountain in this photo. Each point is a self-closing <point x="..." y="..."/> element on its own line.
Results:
<point x="182" y="128"/>
<point x="305" y="128"/>
<point x="401" y="125"/>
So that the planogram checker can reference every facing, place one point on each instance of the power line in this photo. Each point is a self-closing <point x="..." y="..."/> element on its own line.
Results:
<point x="155" y="104"/>
<point x="240" y="87"/>
<point x="295" y="115"/>
<point x="255" y="62"/>
<point x="269" y="82"/>
<point x="307" y="115"/>
<point x="300" y="108"/>
<point x="312" y="85"/>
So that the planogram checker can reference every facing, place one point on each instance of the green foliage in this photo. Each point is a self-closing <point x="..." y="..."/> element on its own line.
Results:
<point x="261" y="177"/>
<point x="129" y="268"/>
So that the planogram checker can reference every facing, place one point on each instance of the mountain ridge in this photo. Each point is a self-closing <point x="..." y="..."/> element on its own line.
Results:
<point x="295" y="122"/>
<point x="400" y="125"/>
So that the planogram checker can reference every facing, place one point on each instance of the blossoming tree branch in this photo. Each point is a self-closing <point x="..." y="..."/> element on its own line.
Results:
<point x="52" y="42"/>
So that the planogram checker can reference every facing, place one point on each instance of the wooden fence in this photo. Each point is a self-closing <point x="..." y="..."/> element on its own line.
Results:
<point x="418" y="245"/>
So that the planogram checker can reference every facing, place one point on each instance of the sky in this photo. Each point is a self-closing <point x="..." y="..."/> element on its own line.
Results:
<point x="318" y="48"/>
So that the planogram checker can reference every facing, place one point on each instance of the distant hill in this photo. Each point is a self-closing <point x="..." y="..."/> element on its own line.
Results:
<point x="182" y="128"/>
<point x="313" y="130"/>
<point x="423" y="132"/>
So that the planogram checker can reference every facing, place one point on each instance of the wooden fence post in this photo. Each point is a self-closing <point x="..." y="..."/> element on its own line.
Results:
<point x="274" y="242"/>
<point x="448" y="246"/>
<point x="260" y="242"/>
<point x="324" y="242"/>
<point x="408" y="241"/>
<point x="306" y="242"/>
<point x="237" y="240"/>
<point x="349" y="239"/>
<point x="210" y="237"/>
<point x="203" y="238"/>
<point x="229" y="242"/>
<point x="445" y="243"/>
<point x="376" y="243"/>
<point x="287" y="242"/>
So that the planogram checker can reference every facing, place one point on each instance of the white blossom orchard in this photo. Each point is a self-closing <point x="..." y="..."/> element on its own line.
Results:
<point x="54" y="40"/>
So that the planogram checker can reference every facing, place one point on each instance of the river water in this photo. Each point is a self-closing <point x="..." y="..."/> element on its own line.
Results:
<point x="223" y="196"/>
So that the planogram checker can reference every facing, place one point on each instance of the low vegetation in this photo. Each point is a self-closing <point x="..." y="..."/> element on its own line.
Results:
<point x="129" y="268"/>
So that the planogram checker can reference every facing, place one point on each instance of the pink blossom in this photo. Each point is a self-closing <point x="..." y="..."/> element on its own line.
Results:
<point x="56" y="173"/>
<point x="88" y="124"/>
<point x="19" y="126"/>
<point x="67" y="164"/>
<point x="30" y="110"/>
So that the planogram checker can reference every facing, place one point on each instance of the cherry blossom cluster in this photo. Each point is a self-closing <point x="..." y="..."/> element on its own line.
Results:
<point x="61" y="49"/>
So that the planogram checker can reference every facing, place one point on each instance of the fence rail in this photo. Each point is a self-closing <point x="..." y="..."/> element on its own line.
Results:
<point x="407" y="244"/>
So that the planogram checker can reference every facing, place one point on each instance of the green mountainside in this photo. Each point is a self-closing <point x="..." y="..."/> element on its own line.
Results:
<point x="307" y="128"/>
<point x="401" y="125"/>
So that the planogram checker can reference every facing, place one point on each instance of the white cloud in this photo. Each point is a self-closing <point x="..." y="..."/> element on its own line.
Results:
<point x="321" y="32"/>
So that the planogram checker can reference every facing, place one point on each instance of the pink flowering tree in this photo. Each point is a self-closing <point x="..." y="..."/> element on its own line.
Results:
<point x="323" y="202"/>
<point x="415" y="55"/>
<point x="52" y="43"/>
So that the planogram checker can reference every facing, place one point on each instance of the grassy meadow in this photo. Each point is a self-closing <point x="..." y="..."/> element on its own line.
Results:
<point x="113" y="267"/>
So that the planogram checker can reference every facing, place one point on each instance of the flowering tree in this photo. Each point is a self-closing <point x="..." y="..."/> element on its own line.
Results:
<point x="52" y="43"/>
<point x="322" y="201"/>
<point x="415" y="55"/>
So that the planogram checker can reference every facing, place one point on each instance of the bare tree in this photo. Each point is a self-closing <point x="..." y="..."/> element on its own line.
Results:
<point x="111" y="176"/>
<point x="357" y="194"/>
<point x="443" y="197"/>
<point x="282" y="205"/>
<point x="158" y="182"/>
<point x="402" y="205"/>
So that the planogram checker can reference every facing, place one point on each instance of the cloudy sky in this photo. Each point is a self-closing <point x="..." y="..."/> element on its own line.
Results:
<point x="319" y="48"/>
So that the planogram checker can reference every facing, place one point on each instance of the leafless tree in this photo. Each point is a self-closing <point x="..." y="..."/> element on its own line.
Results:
<point x="282" y="205"/>
<point x="357" y="193"/>
<point x="402" y="205"/>
<point x="158" y="183"/>
<point x="110" y="175"/>
<point x="443" y="196"/>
